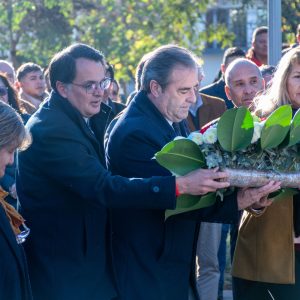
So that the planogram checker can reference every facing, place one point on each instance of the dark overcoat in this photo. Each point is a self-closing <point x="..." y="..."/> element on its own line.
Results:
<point x="64" y="190"/>
<point x="153" y="258"/>
<point x="14" y="280"/>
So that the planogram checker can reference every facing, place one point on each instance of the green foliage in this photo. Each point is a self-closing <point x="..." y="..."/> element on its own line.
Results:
<point x="181" y="157"/>
<point x="294" y="136"/>
<point x="235" y="129"/>
<point x="276" y="127"/>
<point x="186" y="203"/>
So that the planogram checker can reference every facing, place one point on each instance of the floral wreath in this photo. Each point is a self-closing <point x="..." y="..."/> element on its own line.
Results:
<point x="252" y="151"/>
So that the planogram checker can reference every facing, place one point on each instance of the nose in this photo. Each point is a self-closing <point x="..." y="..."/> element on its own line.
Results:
<point x="99" y="91"/>
<point x="248" y="89"/>
<point x="193" y="95"/>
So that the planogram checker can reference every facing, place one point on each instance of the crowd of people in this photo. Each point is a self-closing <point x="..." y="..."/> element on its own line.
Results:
<point x="83" y="202"/>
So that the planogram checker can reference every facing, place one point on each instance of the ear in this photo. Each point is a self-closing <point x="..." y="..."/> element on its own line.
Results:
<point x="62" y="89"/>
<point x="155" y="88"/>
<point x="264" y="83"/>
<point x="227" y="92"/>
<point x="18" y="85"/>
<point x="223" y="68"/>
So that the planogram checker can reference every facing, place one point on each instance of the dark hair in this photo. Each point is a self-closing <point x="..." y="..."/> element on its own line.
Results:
<point x="12" y="95"/>
<point x="24" y="69"/>
<point x="232" y="52"/>
<point x="258" y="31"/>
<point x="162" y="62"/>
<point x="110" y="70"/>
<point x="267" y="70"/>
<point x="63" y="65"/>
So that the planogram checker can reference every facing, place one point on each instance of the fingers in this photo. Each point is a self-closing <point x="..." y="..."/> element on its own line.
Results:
<point x="249" y="196"/>
<point x="265" y="190"/>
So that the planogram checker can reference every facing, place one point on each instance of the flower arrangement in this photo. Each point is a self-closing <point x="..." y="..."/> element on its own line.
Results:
<point x="250" y="150"/>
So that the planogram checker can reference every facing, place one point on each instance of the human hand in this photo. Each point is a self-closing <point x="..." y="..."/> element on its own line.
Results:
<point x="202" y="181"/>
<point x="256" y="197"/>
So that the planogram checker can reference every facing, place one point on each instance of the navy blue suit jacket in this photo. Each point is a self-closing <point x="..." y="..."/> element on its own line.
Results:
<point x="153" y="259"/>
<point x="64" y="190"/>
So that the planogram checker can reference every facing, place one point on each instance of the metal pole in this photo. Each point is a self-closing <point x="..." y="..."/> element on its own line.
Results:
<point x="274" y="33"/>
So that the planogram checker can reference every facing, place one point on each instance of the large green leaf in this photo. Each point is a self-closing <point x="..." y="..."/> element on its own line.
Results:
<point x="276" y="127"/>
<point x="186" y="203"/>
<point x="181" y="157"/>
<point x="295" y="130"/>
<point x="235" y="129"/>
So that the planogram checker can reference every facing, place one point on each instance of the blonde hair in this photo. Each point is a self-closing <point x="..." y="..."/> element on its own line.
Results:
<point x="12" y="130"/>
<point x="276" y="94"/>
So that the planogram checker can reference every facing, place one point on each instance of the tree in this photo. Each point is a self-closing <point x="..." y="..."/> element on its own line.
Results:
<point x="123" y="30"/>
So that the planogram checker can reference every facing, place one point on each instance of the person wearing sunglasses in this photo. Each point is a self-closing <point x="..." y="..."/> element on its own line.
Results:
<point x="14" y="280"/>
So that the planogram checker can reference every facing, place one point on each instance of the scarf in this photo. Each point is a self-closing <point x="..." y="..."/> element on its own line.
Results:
<point x="14" y="218"/>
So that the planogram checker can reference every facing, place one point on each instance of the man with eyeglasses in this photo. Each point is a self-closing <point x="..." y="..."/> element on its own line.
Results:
<point x="65" y="189"/>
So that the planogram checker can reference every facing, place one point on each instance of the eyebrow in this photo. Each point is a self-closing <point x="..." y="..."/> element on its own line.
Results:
<point x="188" y="88"/>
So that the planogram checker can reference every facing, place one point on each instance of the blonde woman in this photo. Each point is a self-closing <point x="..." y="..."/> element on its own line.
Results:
<point x="14" y="282"/>
<point x="267" y="257"/>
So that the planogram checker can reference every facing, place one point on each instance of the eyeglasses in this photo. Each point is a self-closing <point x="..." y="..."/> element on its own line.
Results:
<point x="91" y="87"/>
<point x="3" y="91"/>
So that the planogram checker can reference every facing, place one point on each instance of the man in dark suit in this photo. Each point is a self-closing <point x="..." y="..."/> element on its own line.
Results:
<point x="64" y="187"/>
<point x="153" y="258"/>
<point x="217" y="89"/>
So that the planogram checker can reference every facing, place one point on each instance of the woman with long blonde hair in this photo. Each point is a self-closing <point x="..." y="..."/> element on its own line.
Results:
<point x="267" y="256"/>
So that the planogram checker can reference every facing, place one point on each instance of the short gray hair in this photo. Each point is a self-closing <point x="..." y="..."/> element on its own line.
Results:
<point x="161" y="63"/>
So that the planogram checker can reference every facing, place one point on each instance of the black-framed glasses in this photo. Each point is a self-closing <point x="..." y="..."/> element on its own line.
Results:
<point x="91" y="87"/>
<point x="3" y="91"/>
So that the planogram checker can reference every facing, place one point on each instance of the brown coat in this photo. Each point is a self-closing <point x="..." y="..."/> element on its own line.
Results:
<point x="211" y="109"/>
<point x="265" y="245"/>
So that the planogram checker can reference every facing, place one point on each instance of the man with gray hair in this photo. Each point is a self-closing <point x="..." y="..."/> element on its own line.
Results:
<point x="153" y="257"/>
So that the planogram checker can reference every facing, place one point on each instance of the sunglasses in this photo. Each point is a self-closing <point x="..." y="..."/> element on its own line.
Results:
<point x="3" y="91"/>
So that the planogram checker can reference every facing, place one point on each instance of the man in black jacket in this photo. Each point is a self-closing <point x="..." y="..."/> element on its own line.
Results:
<point x="153" y="257"/>
<point x="65" y="189"/>
<point x="217" y="89"/>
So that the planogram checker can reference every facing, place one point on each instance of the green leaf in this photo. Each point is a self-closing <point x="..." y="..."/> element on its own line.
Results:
<point x="276" y="127"/>
<point x="181" y="157"/>
<point x="295" y="130"/>
<point x="235" y="129"/>
<point x="186" y="203"/>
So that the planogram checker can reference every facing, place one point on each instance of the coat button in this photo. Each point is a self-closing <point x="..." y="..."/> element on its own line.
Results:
<point x="155" y="189"/>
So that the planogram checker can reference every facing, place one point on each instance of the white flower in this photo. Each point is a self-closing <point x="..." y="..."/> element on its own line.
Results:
<point x="196" y="137"/>
<point x="210" y="135"/>
<point x="179" y="137"/>
<point x="257" y="131"/>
